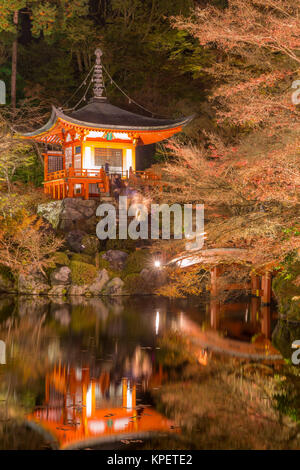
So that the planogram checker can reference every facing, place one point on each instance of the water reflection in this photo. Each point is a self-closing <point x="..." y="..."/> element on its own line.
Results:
<point x="243" y="321"/>
<point x="81" y="370"/>
<point x="80" y="409"/>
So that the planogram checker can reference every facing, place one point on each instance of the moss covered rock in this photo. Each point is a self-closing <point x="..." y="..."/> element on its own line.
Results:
<point x="90" y="244"/>
<point x="82" y="273"/>
<point x="61" y="259"/>
<point x="114" y="287"/>
<point x="83" y="258"/>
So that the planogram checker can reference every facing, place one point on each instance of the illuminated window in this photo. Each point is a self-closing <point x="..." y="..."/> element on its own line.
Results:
<point x="106" y="155"/>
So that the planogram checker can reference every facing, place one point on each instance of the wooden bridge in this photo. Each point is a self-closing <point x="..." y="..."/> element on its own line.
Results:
<point x="259" y="285"/>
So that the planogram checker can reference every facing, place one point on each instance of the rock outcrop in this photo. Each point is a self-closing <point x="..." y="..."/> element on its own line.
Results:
<point x="114" y="287"/>
<point x="70" y="214"/>
<point x="34" y="283"/>
<point x="98" y="285"/>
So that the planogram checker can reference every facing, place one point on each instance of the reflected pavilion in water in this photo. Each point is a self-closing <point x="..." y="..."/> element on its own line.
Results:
<point x="98" y="358"/>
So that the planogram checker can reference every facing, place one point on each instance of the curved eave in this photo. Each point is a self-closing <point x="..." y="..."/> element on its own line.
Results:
<point x="148" y="134"/>
<point x="45" y="129"/>
<point x="91" y="125"/>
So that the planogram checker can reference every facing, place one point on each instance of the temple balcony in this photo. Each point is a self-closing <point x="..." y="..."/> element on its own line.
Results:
<point x="92" y="183"/>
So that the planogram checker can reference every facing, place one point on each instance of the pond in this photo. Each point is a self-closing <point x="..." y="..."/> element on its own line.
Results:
<point x="79" y="373"/>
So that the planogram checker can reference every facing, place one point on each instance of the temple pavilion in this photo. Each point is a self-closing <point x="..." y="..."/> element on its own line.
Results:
<point x="95" y="142"/>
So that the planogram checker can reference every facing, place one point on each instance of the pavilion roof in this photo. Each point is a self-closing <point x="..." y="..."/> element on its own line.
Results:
<point x="100" y="114"/>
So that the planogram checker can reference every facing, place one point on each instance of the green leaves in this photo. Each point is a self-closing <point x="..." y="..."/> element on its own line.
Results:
<point x="47" y="17"/>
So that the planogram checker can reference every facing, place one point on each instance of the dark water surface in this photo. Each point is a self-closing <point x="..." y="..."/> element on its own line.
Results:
<point x="79" y="372"/>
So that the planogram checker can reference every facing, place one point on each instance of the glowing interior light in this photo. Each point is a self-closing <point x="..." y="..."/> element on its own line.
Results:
<point x="157" y="263"/>
<point x="129" y="396"/>
<point x="89" y="402"/>
<point x="88" y="158"/>
<point x="157" y="323"/>
<point x="129" y="159"/>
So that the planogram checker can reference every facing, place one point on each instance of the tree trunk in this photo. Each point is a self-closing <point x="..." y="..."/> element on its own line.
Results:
<point x="14" y="65"/>
<point x="85" y="60"/>
<point x="37" y="151"/>
<point x="79" y="63"/>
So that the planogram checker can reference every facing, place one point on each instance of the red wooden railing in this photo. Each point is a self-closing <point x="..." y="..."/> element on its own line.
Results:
<point x="75" y="173"/>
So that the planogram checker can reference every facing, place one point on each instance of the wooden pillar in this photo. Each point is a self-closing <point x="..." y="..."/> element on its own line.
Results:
<point x="58" y="191"/>
<point x="214" y="274"/>
<point x="255" y="308"/>
<point x="45" y="166"/>
<point x="266" y="288"/>
<point x="214" y="314"/>
<point x="71" y="189"/>
<point x="86" y="190"/>
<point x="64" y="190"/>
<point x="255" y="285"/>
<point x="266" y="321"/>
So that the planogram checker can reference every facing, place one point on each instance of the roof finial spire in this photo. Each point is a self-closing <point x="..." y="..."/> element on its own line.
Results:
<point x="98" y="76"/>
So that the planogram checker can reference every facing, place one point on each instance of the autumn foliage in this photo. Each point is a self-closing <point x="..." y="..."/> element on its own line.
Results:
<point x="246" y="172"/>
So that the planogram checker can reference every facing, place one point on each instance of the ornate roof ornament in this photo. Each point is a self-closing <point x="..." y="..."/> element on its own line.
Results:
<point x="98" y="77"/>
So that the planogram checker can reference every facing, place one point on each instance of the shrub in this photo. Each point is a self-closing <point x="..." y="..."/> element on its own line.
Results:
<point x="82" y="273"/>
<point x="6" y="273"/>
<point x="135" y="284"/>
<point x="136" y="261"/>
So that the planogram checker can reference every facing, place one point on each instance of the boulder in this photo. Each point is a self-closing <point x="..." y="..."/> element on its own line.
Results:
<point x="114" y="287"/>
<point x="78" y="290"/>
<point x="70" y="214"/>
<point x="74" y="240"/>
<point x="78" y="214"/>
<point x="99" y="283"/>
<point x="34" y="283"/>
<point x="116" y="258"/>
<point x="61" y="276"/>
<point x="58" y="291"/>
